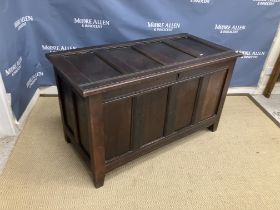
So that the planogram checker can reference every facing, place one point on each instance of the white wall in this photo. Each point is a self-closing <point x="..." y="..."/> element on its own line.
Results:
<point x="266" y="72"/>
<point x="7" y="124"/>
<point x="269" y="64"/>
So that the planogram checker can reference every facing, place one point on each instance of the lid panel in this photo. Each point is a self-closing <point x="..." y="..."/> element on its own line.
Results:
<point x="133" y="58"/>
<point x="92" y="66"/>
<point x="201" y="48"/>
<point x="116" y="63"/>
<point x="168" y="54"/>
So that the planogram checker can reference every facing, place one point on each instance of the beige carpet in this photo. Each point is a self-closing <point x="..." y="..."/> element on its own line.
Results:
<point x="237" y="167"/>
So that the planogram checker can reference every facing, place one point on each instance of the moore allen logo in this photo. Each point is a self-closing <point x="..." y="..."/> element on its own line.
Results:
<point x="251" y="54"/>
<point x="266" y="2"/>
<point x="229" y="29"/>
<point x="33" y="79"/>
<point x="54" y="48"/>
<point x="163" y="26"/>
<point x="200" y="1"/>
<point x="21" y="22"/>
<point x="14" y="68"/>
<point x="91" y="23"/>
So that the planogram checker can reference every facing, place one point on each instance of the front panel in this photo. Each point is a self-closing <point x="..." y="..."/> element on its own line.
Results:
<point x="186" y="93"/>
<point x="132" y="122"/>
<point x="136" y="120"/>
<point x="181" y="104"/>
<point x="149" y="116"/>
<point x="117" y="127"/>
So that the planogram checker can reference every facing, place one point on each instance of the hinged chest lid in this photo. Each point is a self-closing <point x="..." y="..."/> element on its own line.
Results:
<point x="93" y="68"/>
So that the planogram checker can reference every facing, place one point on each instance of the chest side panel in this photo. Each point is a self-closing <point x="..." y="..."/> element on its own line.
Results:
<point x="211" y="97"/>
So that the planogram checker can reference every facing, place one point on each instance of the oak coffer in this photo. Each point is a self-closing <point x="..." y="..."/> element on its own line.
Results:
<point x="121" y="101"/>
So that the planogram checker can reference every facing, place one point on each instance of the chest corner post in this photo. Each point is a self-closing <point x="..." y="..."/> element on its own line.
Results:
<point x="96" y="138"/>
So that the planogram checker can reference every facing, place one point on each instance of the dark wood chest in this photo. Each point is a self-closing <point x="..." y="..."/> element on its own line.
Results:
<point x="121" y="101"/>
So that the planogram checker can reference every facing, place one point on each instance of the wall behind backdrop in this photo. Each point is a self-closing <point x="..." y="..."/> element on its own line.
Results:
<point x="31" y="28"/>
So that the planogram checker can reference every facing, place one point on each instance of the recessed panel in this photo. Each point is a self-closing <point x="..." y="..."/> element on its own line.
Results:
<point x="166" y="51"/>
<point x="149" y="116"/>
<point x="185" y="100"/>
<point x="133" y="58"/>
<point x="180" y="105"/>
<point x="117" y="123"/>
<point x="199" y="47"/>
<point x="68" y="104"/>
<point x="212" y="94"/>
<point x="82" y="118"/>
<point x="93" y="67"/>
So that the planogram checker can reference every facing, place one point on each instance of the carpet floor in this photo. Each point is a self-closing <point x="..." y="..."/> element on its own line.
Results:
<point x="236" y="167"/>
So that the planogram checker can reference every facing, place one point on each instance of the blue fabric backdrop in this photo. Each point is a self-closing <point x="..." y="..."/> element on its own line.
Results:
<point x="31" y="28"/>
